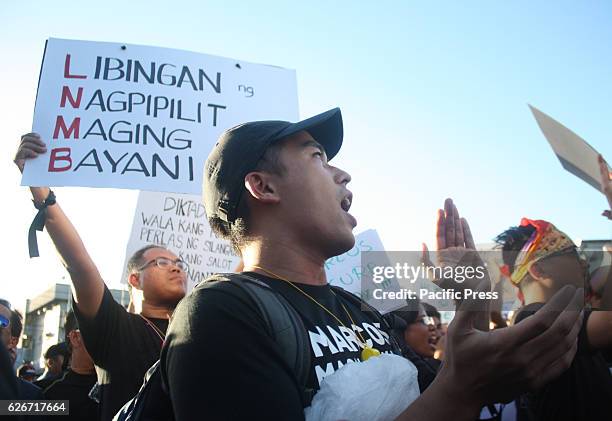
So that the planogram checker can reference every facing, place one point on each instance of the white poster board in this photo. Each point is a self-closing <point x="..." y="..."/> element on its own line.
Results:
<point x="574" y="153"/>
<point x="345" y="271"/>
<point x="178" y="222"/>
<point x="138" y="117"/>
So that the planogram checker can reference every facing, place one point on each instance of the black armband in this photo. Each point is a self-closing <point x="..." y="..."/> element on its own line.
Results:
<point x="39" y="222"/>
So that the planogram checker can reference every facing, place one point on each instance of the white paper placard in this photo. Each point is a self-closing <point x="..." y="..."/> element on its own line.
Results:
<point x="138" y="117"/>
<point x="574" y="153"/>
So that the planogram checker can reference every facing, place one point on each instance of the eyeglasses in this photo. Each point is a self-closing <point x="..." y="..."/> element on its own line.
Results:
<point x="164" y="263"/>
<point x="4" y="322"/>
<point x="427" y="320"/>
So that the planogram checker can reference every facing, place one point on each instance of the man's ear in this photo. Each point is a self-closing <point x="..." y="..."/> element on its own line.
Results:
<point x="537" y="273"/>
<point x="134" y="280"/>
<point x="262" y="187"/>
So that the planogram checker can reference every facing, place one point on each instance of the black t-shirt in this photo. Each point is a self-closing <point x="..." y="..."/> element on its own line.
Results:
<point x="27" y="390"/>
<point x="123" y="347"/>
<point x="75" y="388"/>
<point x="220" y="363"/>
<point x="582" y="392"/>
<point x="45" y="382"/>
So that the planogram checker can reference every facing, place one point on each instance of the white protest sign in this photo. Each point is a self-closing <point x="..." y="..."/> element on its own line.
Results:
<point x="178" y="222"/>
<point x="575" y="154"/>
<point x="131" y="116"/>
<point x="346" y="269"/>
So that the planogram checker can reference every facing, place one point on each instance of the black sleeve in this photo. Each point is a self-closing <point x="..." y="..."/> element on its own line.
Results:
<point x="583" y="341"/>
<point x="101" y="332"/>
<point x="584" y="347"/>
<point x="27" y="390"/>
<point x="220" y="363"/>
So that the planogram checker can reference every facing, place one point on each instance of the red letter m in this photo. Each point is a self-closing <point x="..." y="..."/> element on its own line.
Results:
<point x="67" y="131"/>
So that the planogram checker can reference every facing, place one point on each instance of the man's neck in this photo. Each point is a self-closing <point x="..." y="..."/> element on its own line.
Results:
<point x="155" y="311"/>
<point x="536" y="294"/>
<point x="284" y="261"/>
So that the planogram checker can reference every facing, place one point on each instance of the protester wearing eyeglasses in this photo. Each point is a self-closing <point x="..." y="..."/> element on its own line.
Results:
<point x="5" y="324"/>
<point x="416" y="335"/>
<point x="8" y="381"/>
<point x="420" y="332"/>
<point x="16" y="329"/>
<point x="540" y="260"/>
<point x="12" y="384"/>
<point x="123" y="345"/>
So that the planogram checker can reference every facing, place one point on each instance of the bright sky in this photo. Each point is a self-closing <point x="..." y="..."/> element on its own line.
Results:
<point x="434" y="98"/>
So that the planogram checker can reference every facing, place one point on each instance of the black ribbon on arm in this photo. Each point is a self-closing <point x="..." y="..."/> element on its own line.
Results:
<point x="38" y="224"/>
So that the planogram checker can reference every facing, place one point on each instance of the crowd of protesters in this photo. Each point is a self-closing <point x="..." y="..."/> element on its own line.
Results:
<point x="258" y="343"/>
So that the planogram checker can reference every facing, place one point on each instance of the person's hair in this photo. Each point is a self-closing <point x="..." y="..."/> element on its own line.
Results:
<point x="431" y="311"/>
<point x="16" y="324"/>
<point x="410" y="312"/>
<point x="6" y="303"/>
<point x="237" y="232"/>
<point x="56" y="350"/>
<point x="399" y="320"/>
<point x="512" y="241"/>
<point x="137" y="259"/>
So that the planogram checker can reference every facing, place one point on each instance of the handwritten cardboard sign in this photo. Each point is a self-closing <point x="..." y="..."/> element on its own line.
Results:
<point x="138" y="117"/>
<point x="178" y="222"/>
<point x="347" y="271"/>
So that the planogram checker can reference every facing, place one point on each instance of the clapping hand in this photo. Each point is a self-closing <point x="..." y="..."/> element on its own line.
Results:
<point x="455" y="246"/>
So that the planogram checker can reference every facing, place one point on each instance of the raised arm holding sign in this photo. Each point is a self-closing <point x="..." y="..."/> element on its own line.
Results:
<point x="88" y="284"/>
<point x="122" y="345"/>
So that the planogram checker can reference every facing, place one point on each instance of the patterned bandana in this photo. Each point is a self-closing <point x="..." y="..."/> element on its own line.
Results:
<point x="545" y="240"/>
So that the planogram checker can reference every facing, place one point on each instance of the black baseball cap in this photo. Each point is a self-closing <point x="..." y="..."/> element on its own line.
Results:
<point x="239" y="150"/>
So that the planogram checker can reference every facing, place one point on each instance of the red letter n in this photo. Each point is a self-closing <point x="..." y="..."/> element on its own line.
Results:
<point x="67" y="94"/>
<point x="67" y="74"/>
<point x="55" y="156"/>
<point x="67" y="131"/>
